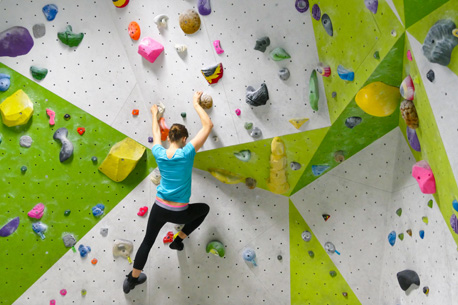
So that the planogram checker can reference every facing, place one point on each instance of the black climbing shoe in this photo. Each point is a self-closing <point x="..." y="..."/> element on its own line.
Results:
<point x="130" y="282"/>
<point x="175" y="245"/>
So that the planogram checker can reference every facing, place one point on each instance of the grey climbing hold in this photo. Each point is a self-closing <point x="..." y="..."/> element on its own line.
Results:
<point x="256" y="132"/>
<point x="67" y="146"/>
<point x="329" y="247"/>
<point x="311" y="254"/>
<point x="295" y="166"/>
<point x="257" y="97"/>
<point x="262" y="44"/>
<point x="104" y="232"/>
<point x="25" y="141"/>
<point x="39" y="30"/>
<point x="334" y="94"/>
<point x="440" y="42"/>
<point x="408" y="277"/>
<point x="94" y="159"/>
<point x="327" y="24"/>
<point x="430" y="76"/>
<point x="284" y="74"/>
<point x="243" y="155"/>
<point x="279" y="257"/>
<point x="353" y="121"/>
<point x="306" y="236"/>
<point x="69" y="240"/>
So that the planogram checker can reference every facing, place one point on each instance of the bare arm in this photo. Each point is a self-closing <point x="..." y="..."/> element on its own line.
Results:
<point x="156" y="129"/>
<point x="207" y="124"/>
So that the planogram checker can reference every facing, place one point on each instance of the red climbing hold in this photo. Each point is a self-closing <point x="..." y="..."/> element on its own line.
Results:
<point x="135" y="112"/>
<point x="168" y="238"/>
<point x="164" y="129"/>
<point x="81" y="130"/>
<point x="142" y="211"/>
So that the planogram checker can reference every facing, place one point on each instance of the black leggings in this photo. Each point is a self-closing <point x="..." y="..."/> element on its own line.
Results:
<point x="192" y="217"/>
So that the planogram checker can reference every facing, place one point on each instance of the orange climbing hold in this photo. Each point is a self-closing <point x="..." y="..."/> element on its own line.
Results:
<point x="94" y="261"/>
<point x="135" y="112"/>
<point x="81" y="130"/>
<point x="164" y="129"/>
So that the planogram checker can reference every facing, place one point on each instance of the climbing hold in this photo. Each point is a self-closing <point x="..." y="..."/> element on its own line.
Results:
<point x="38" y="30"/>
<point x="454" y="204"/>
<point x="406" y="278"/>
<point x="25" y="141"/>
<point x="314" y="93"/>
<point x="256" y="132"/>
<point x="206" y="101"/>
<point x="63" y="292"/>
<point x="142" y="211"/>
<point x="225" y="176"/>
<point x="37" y="211"/>
<point x="217" y="45"/>
<point x="94" y="159"/>
<point x="430" y="203"/>
<point x="262" y="44"/>
<point x="422" y="172"/>
<point x="392" y="238"/>
<point x="426" y="290"/>
<point x="84" y="250"/>
<point x="156" y="176"/>
<point x="345" y="74"/>
<point x="327" y="24"/>
<point x="50" y="11"/>
<point x="311" y="254"/>
<point x="302" y="5"/>
<point x="329" y="247"/>
<point x="413" y="139"/>
<point x="39" y="228"/>
<point x="339" y="156"/>
<point x="316" y="12"/>
<point x="377" y="55"/>
<point x="298" y="122"/>
<point x="345" y="294"/>
<point x="98" y="210"/>
<point x="181" y="48"/>
<point x="323" y="69"/>
<point x="52" y="116"/>
<point x="67" y="212"/>
<point x="278" y="182"/>
<point x="250" y="183"/>
<point x="150" y="49"/>
<point x="284" y="74"/>
<point x="430" y="76"/>
<point x="69" y="240"/>
<point x="134" y="30"/>
<point x="295" y="166"/>
<point x="249" y="255"/>
<point x="401" y="236"/>
<point x="409" y="231"/>
<point x="425" y="219"/>
<point x="317" y="170"/>
<point x="279" y="257"/>
<point x="94" y="261"/>
<point x="215" y="247"/>
<point x="279" y="54"/>
<point x="204" y="7"/>
<point x="38" y="73"/>
<point x="213" y="74"/>
<point x="248" y="125"/>
<point x="332" y="273"/>
<point x="306" y="236"/>
<point x="326" y="217"/>
<point x="422" y="234"/>
<point x="399" y="212"/>
<point x="183" y="115"/>
<point x="16" y="109"/>
<point x="407" y="88"/>
<point x="67" y="117"/>
<point x="378" y="99"/>
<point x="123" y="248"/>
<point x="5" y="82"/>
<point x="161" y="21"/>
<point x="243" y="155"/>
<point x="164" y="129"/>
<point x="150" y="139"/>
<point x="189" y="21"/>
<point x="238" y="112"/>
<point x="371" y="5"/>
<point x="69" y="38"/>
<point x="353" y="121"/>
<point x="23" y="169"/>
<point x="15" y="41"/>
<point x="135" y="112"/>
<point x="454" y="223"/>
<point x="257" y="97"/>
<point x="409" y="55"/>
<point x="67" y="147"/>
<point x="120" y="3"/>
<point x="440" y="42"/>
<point x="10" y="227"/>
<point x="409" y="114"/>
<point x="104" y="232"/>
<point x="455" y="32"/>
<point x="394" y="33"/>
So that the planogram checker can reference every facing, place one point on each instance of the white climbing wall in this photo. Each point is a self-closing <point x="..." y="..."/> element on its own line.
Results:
<point x="239" y="218"/>
<point x="362" y="196"/>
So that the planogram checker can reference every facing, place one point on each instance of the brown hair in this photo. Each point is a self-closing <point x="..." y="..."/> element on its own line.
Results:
<point x="177" y="132"/>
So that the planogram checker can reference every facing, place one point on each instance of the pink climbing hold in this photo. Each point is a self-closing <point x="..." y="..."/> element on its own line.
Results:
<point x="238" y="112"/>
<point x="409" y="55"/>
<point x="422" y="172"/>
<point x="217" y="45"/>
<point x="150" y="49"/>
<point x="37" y="211"/>
<point x="52" y="116"/>
<point x="63" y="292"/>
<point x="52" y="302"/>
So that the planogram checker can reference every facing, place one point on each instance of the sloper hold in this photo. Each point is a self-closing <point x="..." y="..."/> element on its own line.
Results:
<point x="226" y="176"/>
<point x="407" y="88"/>
<point x="16" y="109"/>
<point x="423" y="173"/>
<point x="213" y="74"/>
<point x="440" y="42"/>
<point x="15" y="41"/>
<point x="278" y="182"/>
<point x="262" y="44"/>
<point x="50" y="11"/>
<point x="406" y="278"/>
<point x="345" y="74"/>
<point x="327" y="24"/>
<point x="409" y="114"/>
<point x="69" y="38"/>
<point x="67" y="147"/>
<point x="378" y="99"/>
<point x="314" y="93"/>
<point x="10" y="227"/>
<point x="257" y="97"/>
<point x="122" y="248"/>
<point x="413" y="139"/>
<point x="279" y="54"/>
<point x="189" y="21"/>
<point x="150" y="49"/>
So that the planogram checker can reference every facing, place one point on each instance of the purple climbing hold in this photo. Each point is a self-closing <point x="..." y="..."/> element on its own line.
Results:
<point x="371" y="5"/>
<point x="50" y="11"/>
<point x="302" y="5"/>
<point x="15" y="41"/>
<point x="316" y="12"/>
<point x="413" y="139"/>
<point x="454" y="223"/>
<point x="10" y="227"/>
<point x="204" y="7"/>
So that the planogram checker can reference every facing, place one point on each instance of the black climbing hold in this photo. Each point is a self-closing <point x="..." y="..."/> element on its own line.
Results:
<point x="262" y="44"/>
<point x="67" y="117"/>
<point x="353" y="121"/>
<point x="406" y="278"/>
<point x="326" y="217"/>
<point x="257" y="97"/>
<point x="430" y="75"/>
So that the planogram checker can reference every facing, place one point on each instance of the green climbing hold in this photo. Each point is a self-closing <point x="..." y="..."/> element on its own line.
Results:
<point x="399" y="212"/>
<point x="401" y="236"/>
<point x="183" y="115"/>
<point x="38" y="73"/>
<point x="67" y="212"/>
<point x="248" y="125"/>
<point x="377" y="55"/>
<point x="430" y="203"/>
<point x="425" y="219"/>
<point x="278" y="54"/>
<point x="311" y="254"/>
<point x="69" y="38"/>
<point x="216" y="247"/>
<point x="332" y="273"/>
<point x="314" y="95"/>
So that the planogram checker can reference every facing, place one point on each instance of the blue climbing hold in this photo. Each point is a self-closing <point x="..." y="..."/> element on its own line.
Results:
<point x="98" y="210"/>
<point x="317" y="170"/>
<point x="392" y="238"/>
<point x="5" y="81"/>
<point x="50" y="11"/>
<point x="84" y="250"/>
<point x="345" y="74"/>
<point x="455" y="205"/>
<point x="422" y="234"/>
<point x="39" y="228"/>
<point x="249" y="255"/>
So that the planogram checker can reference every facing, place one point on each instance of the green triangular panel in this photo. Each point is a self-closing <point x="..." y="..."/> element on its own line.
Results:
<point x="432" y="147"/>
<point x="417" y="9"/>
<point x="353" y="140"/>
<point x="420" y="29"/>
<point x="300" y="148"/>
<point x="311" y="282"/>
<point x="358" y="34"/>
<point x="75" y="185"/>
<point x="399" y="4"/>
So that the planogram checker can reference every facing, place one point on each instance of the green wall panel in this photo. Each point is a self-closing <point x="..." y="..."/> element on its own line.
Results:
<point x="415" y="10"/>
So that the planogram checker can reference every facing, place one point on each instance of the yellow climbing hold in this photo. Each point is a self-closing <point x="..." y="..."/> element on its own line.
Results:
<point x="298" y="122"/>
<point x="16" y="109"/>
<point x="122" y="159"/>
<point x="226" y="176"/>
<point x="278" y="183"/>
<point x="378" y="99"/>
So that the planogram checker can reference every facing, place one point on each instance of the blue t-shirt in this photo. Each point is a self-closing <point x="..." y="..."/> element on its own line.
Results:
<point x="175" y="173"/>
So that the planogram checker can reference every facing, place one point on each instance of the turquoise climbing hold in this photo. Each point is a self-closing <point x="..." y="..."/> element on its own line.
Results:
<point x="317" y="170"/>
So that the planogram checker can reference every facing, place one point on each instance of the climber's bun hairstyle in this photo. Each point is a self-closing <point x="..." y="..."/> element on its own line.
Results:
<point x="177" y="132"/>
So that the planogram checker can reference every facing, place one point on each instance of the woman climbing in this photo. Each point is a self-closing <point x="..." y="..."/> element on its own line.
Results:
<point x="172" y="198"/>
